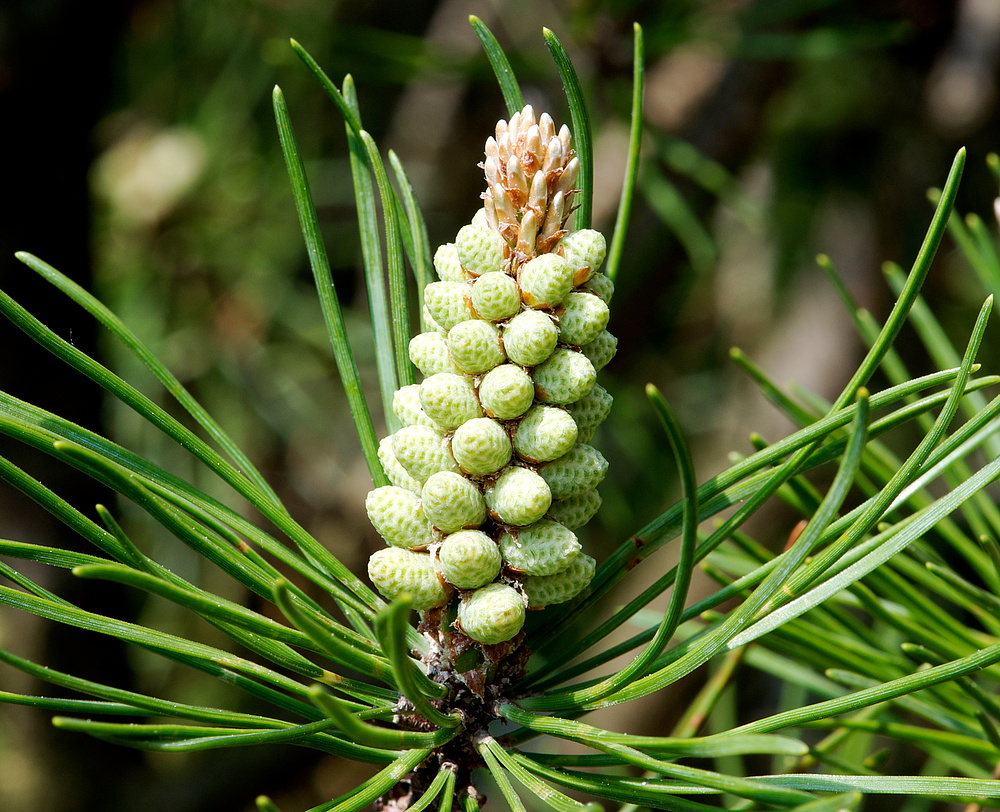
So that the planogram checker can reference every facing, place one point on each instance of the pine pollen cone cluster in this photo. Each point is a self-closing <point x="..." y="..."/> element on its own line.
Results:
<point x="491" y="471"/>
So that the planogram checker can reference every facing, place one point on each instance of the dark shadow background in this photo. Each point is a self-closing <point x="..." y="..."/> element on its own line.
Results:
<point x="139" y="156"/>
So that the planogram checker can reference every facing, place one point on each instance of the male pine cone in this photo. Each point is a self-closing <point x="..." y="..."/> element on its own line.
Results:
<point x="490" y="472"/>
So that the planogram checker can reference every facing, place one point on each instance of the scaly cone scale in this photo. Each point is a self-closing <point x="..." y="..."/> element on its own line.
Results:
<point x="491" y="473"/>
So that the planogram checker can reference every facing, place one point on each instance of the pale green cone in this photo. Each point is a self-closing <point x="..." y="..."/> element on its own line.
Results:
<point x="452" y="503"/>
<point x="530" y="337"/>
<point x="495" y="296"/>
<point x="406" y="406"/>
<point x="506" y="392"/>
<point x="544" y="433"/>
<point x="519" y="497"/>
<point x="584" y="250"/>
<point x="422" y="451"/>
<point x="577" y="510"/>
<point x="397" y="474"/>
<point x="446" y="302"/>
<point x="396" y="572"/>
<point x="601" y="350"/>
<point x="429" y="353"/>
<point x="601" y="286"/>
<point x="592" y="409"/>
<point x="564" y="378"/>
<point x="544" y="590"/>
<point x="449" y="400"/>
<point x="493" y="614"/>
<point x="397" y="516"/>
<point x="447" y="264"/>
<point x="580" y="470"/>
<point x="480" y="250"/>
<point x="582" y="317"/>
<point x="475" y="346"/>
<point x="544" y="548"/>
<point x="469" y="559"/>
<point x="480" y="446"/>
<point x="545" y="281"/>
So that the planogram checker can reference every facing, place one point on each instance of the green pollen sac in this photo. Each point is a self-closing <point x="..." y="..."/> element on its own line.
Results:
<point x="475" y="347"/>
<point x="445" y="301"/>
<point x="422" y="451"/>
<point x="601" y="350"/>
<point x="480" y="446"/>
<point x="447" y="264"/>
<point x="493" y="614"/>
<point x="506" y="392"/>
<point x="543" y="590"/>
<point x="544" y="548"/>
<point x="452" y="503"/>
<point x="495" y="296"/>
<point x="580" y="470"/>
<point x="582" y="317"/>
<point x="395" y="572"/>
<point x="584" y="250"/>
<point x="429" y="353"/>
<point x="519" y="497"/>
<point x="480" y="250"/>
<point x="397" y="516"/>
<point x="564" y="378"/>
<point x="449" y="400"/>
<point x="545" y="281"/>
<point x="393" y="469"/>
<point x="530" y="337"/>
<point x="406" y="406"/>
<point x="544" y="433"/>
<point x="578" y="510"/>
<point x="601" y="286"/>
<point x="469" y="559"/>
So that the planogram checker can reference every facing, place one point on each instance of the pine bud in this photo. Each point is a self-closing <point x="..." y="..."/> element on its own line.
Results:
<point x="565" y="377"/>
<point x="422" y="452"/>
<point x="506" y="392"/>
<point x="480" y="446"/>
<point x="397" y="516"/>
<point x="543" y="590"/>
<point x="395" y="572"/>
<point x="493" y="614"/>
<point x="544" y="433"/>
<point x="544" y="548"/>
<point x="449" y="400"/>
<point x="469" y="559"/>
<point x="480" y="250"/>
<point x="530" y="337"/>
<point x="475" y="346"/>
<point x="519" y="497"/>
<point x="452" y="503"/>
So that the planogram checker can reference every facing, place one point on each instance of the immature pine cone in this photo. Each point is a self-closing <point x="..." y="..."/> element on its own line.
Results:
<point x="490" y="474"/>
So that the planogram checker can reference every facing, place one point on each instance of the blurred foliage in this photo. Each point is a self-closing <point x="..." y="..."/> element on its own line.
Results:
<point x="776" y="129"/>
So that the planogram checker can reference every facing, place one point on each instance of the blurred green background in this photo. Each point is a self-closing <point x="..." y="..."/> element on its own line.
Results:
<point x="140" y="157"/>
